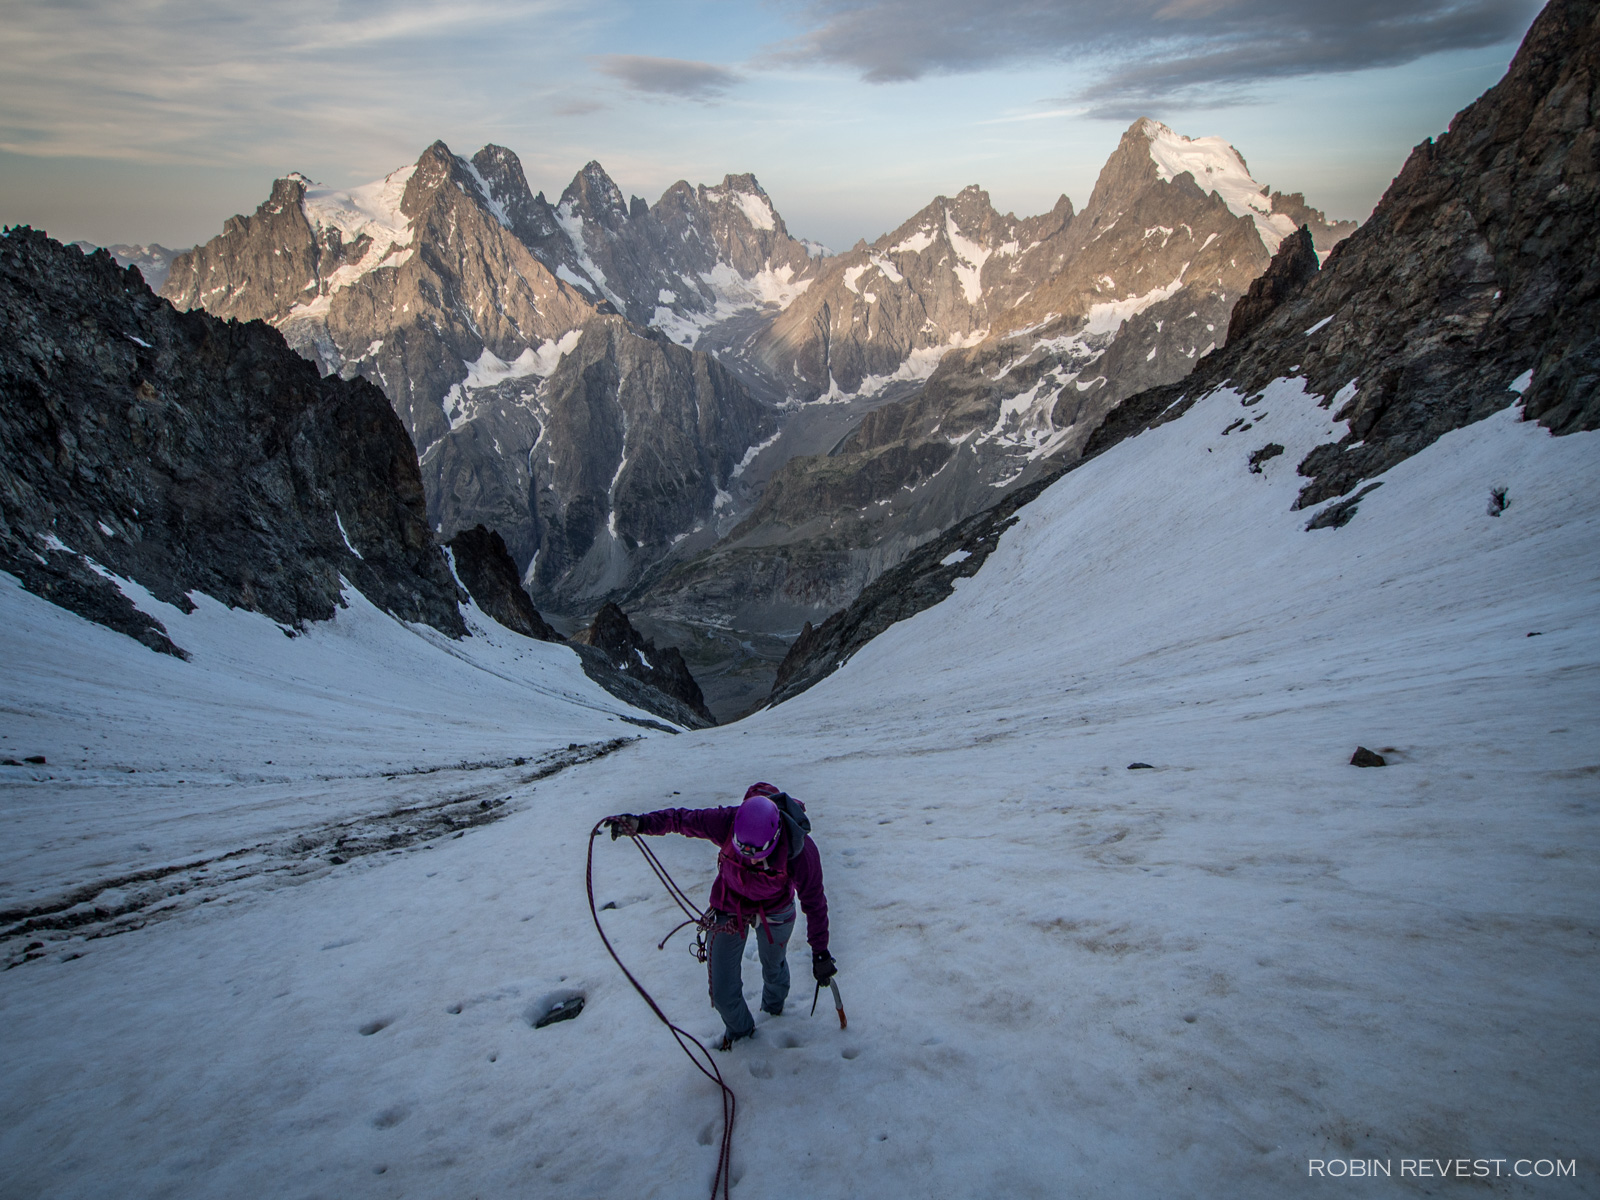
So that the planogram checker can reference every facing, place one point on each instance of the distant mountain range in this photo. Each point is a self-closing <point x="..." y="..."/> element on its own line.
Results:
<point x="684" y="407"/>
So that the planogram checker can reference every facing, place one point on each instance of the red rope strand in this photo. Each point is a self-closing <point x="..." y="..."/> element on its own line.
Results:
<point x="688" y="1043"/>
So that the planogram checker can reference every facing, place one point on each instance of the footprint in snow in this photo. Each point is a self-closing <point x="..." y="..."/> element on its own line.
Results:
<point x="372" y="1027"/>
<point x="760" y="1069"/>
<point x="390" y="1117"/>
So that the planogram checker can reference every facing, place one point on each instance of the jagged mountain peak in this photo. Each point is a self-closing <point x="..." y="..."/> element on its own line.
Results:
<point x="742" y="194"/>
<point x="594" y="195"/>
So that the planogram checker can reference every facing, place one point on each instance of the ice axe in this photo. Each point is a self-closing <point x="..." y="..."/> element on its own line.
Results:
<point x="837" y="1002"/>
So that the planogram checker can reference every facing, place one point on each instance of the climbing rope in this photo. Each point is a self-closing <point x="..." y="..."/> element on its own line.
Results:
<point x="698" y="1054"/>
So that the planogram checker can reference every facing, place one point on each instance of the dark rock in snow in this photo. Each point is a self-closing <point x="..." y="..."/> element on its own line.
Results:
<point x="36" y="759"/>
<point x="1337" y="516"/>
<point x="11" y="762"/>
<point x="1366" y="758"/>
<point x="1140" y="767"/>
<point x="191" y="454"/>
<point x="485" y="569"/>
<point x="564" y="1009"/>
<point x="627" y="651"/>
<point x="1270" y="450"/>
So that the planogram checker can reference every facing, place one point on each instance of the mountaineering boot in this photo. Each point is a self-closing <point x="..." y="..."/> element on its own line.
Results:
<point x="728" y="1039"/>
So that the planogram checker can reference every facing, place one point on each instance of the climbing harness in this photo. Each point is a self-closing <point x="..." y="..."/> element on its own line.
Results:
<point x="698" y="1054"/>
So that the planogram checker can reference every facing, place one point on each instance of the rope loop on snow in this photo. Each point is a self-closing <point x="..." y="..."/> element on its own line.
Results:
<point x="698" y="1054"/>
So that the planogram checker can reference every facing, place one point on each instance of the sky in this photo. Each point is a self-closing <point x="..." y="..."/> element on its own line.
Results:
<point x="154" y="120"/>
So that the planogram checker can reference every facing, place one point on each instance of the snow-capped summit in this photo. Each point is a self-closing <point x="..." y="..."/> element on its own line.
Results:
<point x="1218" y="168"/>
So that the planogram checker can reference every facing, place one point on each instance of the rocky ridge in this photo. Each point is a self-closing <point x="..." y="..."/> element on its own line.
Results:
<point x="1475" y="285"/>
<point x="625" y="649"/>
<point x="190" y="454"/>
<point x="154" y="260"/>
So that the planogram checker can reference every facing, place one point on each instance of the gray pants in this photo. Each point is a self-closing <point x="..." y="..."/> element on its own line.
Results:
<point x="725" y="952"/>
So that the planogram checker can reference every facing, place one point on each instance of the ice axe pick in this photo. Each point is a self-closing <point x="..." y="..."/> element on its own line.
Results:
<point x="837" y="1002"/>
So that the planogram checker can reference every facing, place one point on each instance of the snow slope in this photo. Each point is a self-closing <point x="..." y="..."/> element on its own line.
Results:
<point x="153" y="761"/>
<point x="1063" y="977"/>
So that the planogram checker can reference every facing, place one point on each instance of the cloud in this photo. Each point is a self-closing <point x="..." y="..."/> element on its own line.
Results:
<point x="230" y="81"/>
<point x="579" y="107"/>
<point x="669" y="76"/>
<point x="1150" y="50"/>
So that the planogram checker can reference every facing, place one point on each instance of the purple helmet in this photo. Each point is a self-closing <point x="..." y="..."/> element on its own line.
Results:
<point x="756" y="824"/>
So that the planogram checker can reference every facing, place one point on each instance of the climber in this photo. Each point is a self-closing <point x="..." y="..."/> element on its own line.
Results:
<point x="767" y="857"/>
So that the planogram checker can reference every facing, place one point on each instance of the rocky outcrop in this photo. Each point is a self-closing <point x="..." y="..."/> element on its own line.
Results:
<point x="1291" y="267"/>
<point x="628" y="667"/>
<point x="485" y="569"/>
<point x="626" y="650"/>
<point x="1476" y="281"/>
<point x="190" y="454"/>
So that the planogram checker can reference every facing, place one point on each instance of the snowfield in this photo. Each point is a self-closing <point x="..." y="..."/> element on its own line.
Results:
<point x="1063" y="977"/>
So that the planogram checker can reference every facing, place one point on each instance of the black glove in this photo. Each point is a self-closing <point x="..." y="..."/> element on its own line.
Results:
<point x="622" y="825"/>
<point x="823" y="968"/>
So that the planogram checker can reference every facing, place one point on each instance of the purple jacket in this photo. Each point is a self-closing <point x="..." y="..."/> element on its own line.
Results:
<point x="805" y="869"/>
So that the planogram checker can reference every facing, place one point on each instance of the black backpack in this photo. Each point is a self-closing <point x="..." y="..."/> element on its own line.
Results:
<point x="793" y="813"/>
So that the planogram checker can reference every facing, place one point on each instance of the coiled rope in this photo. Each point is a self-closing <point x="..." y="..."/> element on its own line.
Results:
<point x="690" y="1045"/>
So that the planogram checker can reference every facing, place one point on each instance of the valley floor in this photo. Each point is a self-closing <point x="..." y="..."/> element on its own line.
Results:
<point x="1063" y="977"/>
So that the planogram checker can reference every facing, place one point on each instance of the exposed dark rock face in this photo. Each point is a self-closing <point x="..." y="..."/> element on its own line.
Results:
<point x="192" y="454"/>
<point x="640" y="437"/>
<point x="1476" y="279"/>
<point x="485" y="569"/>
<point x="627" y="651"/>
<point x="1479" y="269"/>
<point x="1291" y="267"/>
<point x="1270" y="451"/>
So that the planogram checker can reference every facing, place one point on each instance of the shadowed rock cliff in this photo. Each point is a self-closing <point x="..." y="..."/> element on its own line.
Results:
<point x="191" y="454"/>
